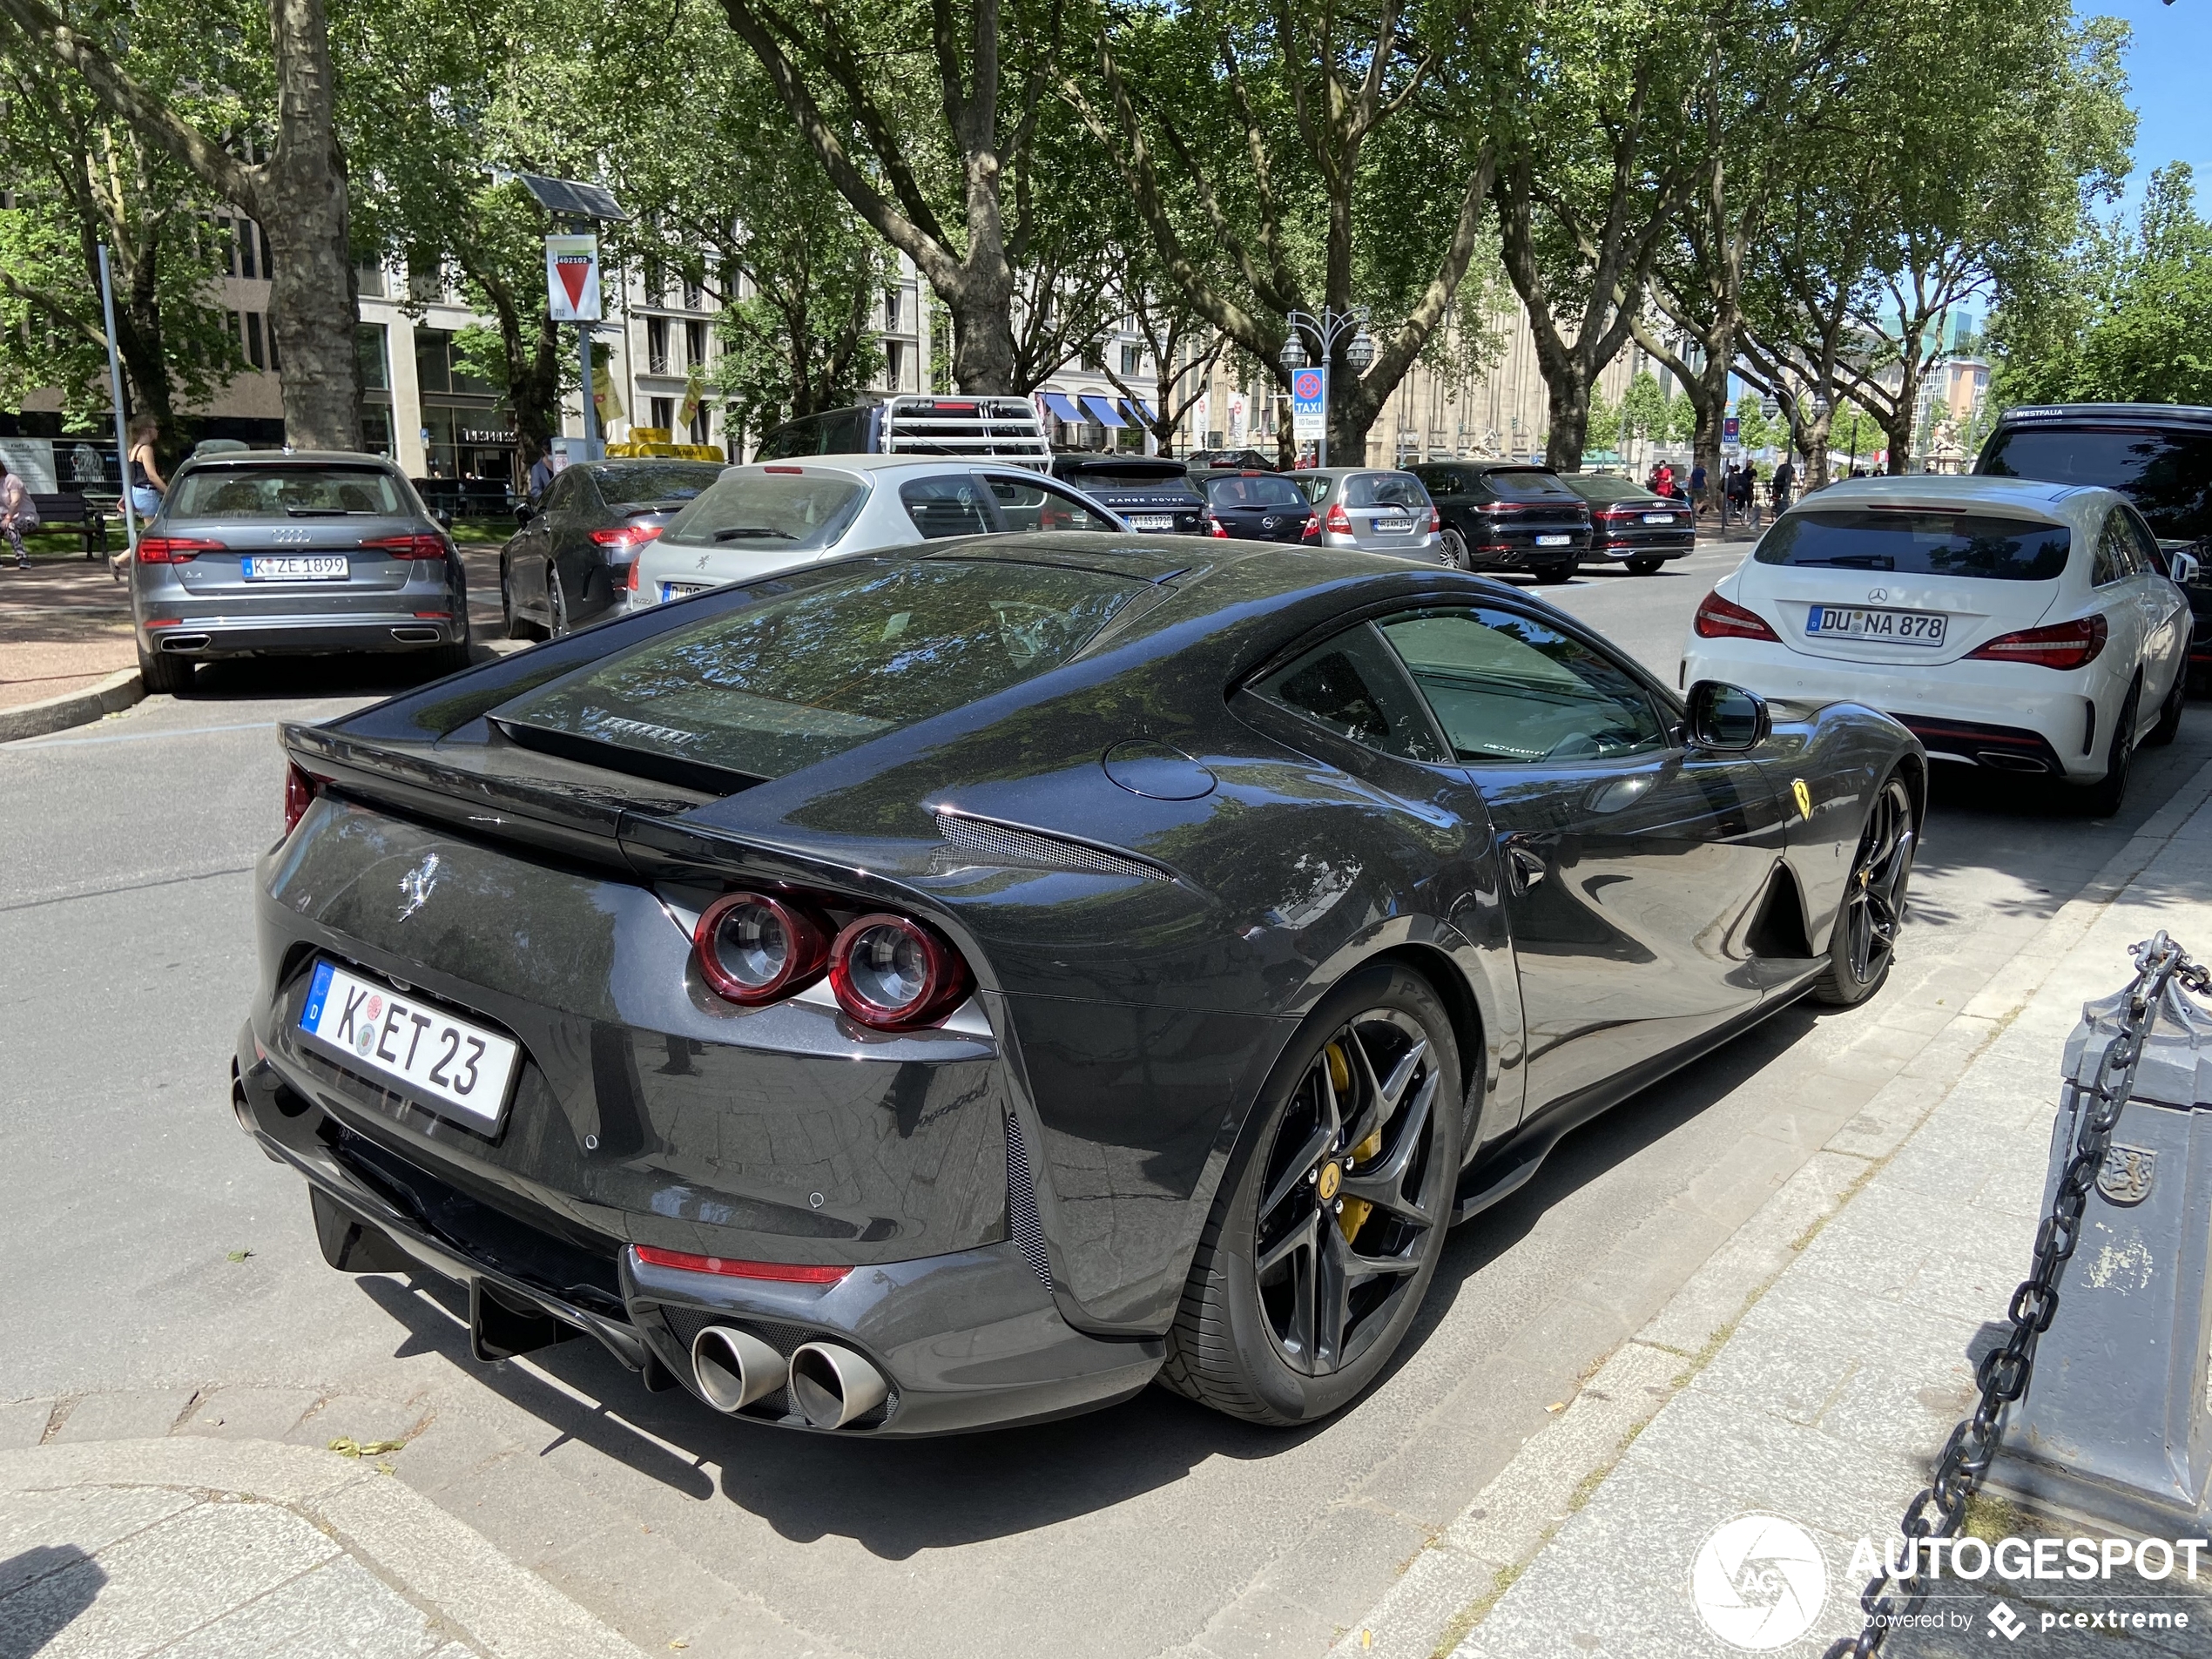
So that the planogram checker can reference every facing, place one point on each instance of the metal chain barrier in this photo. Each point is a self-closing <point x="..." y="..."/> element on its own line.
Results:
<point x="2002" y="1376"/>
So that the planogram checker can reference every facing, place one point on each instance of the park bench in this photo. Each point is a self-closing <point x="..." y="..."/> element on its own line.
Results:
<point x="72" y="512"/>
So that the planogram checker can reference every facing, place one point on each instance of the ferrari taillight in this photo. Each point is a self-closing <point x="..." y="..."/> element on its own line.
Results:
<point x="1718" y="619"/>
<point x="887" y="972"/>
<point x="2066" y="644"/>
<point x="894" y="973"/>
<point x="757" y="948"/>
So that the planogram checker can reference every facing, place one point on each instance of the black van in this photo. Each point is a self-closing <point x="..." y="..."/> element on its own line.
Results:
<point x="1002" y="428"/>
<point x="2159" y="455"/>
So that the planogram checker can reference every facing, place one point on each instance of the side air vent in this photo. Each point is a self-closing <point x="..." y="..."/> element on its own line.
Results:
<point x="1027" y="846"/>
<point x="1022" y="1205"/>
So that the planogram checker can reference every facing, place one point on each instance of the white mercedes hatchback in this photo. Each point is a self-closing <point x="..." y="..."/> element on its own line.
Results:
<point x="2017" y="626"/>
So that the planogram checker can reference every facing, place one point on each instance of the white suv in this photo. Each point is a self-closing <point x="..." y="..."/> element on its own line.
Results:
<point x="2018" y="626"/>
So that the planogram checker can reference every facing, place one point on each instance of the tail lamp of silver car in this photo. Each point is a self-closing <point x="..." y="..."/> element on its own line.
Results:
<point x="887" y="972"/>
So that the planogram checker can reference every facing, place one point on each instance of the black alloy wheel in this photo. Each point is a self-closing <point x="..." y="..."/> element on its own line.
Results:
<point x="1455" y="549"/>
<point x="2105" y="796"/>
<point x="1556" y="571"/>
<point x="1331" y="1222"/>
<point x="1644" y="566"/>
<point x="2170" y="712"/>
<point x="517" y="625"/>
<point x="556" y="605"/>
<point x="1864" y="940"/>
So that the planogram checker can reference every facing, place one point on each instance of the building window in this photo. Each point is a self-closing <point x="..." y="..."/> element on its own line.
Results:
<point x="698" y="424"/>
<point x="891" y="311"/>
<point x="369" y="278"/>
<point x="254" y="355"/>
<point x="657" y="345"/>
<point x="244" y="238"/>
<point x="694" y="345"/>
<point x="694" y="297"/>
<point x="369" y="340"/>
<point x="656" y="281"/>
<point x="237" y="325"/>
<point x="1132" y="360"/>
<point x="664" y="414"/>
<point x="893" y="362"/>
<point x="274" y="366"/>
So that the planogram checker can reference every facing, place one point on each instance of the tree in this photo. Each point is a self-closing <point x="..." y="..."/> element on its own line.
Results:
<point x="296" y="186"/>
<point x="1643" y="408"/>
<point x="1239" y="131"/>
<point x="1182" y="347"/>
<point x="79" y="178"/>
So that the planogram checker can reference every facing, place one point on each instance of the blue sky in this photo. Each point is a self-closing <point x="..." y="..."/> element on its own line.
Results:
<point x="2166" y="83"/>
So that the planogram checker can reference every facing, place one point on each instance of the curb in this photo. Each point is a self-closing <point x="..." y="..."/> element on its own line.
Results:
<point x="118" y="690"/>
<point x="399" y="1536"/>
<point x="1448" y="1587"/>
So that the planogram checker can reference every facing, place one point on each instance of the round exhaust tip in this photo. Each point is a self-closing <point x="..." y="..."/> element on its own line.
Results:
<point x="733" y="1367"/>
<point x="833" y="1386"/>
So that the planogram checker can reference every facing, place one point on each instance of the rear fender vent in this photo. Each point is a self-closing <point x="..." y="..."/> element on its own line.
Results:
<point x="1022" y="1220"/>
<point x="1031" y="847"/>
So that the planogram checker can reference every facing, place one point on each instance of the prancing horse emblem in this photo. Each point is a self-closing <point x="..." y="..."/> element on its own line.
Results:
<point x="2126" y="1176"/>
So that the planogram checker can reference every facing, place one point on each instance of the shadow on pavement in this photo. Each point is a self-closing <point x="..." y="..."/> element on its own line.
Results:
<point x="42" y="1592"/>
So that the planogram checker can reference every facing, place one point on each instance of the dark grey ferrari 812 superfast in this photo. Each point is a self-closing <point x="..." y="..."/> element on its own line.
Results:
<point x="923" y="993"/>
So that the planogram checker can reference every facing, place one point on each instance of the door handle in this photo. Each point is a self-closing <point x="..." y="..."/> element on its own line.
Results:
<point x="1525" y="865"/>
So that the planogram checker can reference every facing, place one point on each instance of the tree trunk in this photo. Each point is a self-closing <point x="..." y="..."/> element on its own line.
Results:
<point x="1570" y="415"/>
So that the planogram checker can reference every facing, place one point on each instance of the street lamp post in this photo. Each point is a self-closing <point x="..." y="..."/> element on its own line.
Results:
<point x="1327" y="329"/>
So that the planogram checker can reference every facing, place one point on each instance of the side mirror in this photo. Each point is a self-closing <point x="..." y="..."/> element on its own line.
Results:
<point x="444" y="517"/>
<point x="2186" y="568"/>
<point x="1727" y="718"/>
<point x="523" y="513"/>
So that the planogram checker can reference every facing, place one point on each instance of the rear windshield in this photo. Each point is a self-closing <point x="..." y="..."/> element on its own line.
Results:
<point x="1920" y="542"/>
<point x="1516" y="485"/>
<point x="286" y="492"/>
<point x="795" y="512"/>
<point x="1124" y="475"/>
<point x="627" y="486"/>
<point x="1596" y="486"/>
<point x="768" y="688"/>
<point x="2167" y="474"/>
<point x="1385" y="489"/>
<point x="1269" y="489"/>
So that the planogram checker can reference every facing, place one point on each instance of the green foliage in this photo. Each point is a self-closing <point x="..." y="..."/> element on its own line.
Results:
<point x="2124" y="315"/>
<point x="1643" y="408"/>
<point x="1603" y="430"/>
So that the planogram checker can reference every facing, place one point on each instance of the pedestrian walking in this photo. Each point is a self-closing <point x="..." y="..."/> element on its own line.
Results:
<point x="1785" y="484"/>
<point x="541" y="475"/>
<point x="18" y="513"/>
<point x="1696" y="490"/>
<point x="1747" y="491"/>
<point x="147" y="485"/>
<point x="1663" y="481"/>
<point x="1728" y="494"/>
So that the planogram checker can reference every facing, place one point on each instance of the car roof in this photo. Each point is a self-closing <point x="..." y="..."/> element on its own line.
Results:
<point x="902" y="461"/>
<point x="2105" y="414"/>
<point x="289" y="458"/>
<point x="1347" y="472"/>
<point x="1957" y="490"/>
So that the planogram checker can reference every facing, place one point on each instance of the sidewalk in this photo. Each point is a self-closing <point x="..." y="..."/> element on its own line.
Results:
<point x="1814" y="1367"/>
<point x="250" y="1549"/>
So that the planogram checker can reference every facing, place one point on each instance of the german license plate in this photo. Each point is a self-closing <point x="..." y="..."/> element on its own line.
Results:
<point x="1554" y="540"/>
<point x="1392" y="526"/>
<point x="680" y="590"/>
<point x="1886" y="627"/>
<point x="1658" y="519"/>
<point x="1151" y="521"/>
<point x="295" y="566"/>
<point x="462" y="1068"/>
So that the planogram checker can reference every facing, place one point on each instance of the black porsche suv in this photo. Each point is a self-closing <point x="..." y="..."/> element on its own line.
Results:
<point x="2159" y="455"/>
<point x="1508" y="515"/>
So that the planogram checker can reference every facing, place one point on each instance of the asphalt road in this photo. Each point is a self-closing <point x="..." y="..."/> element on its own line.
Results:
<point x="164" y="1276"/>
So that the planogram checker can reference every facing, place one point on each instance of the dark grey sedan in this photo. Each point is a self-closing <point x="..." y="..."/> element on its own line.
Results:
<point x="262" y="553"/>
<point x="571" y="561"/>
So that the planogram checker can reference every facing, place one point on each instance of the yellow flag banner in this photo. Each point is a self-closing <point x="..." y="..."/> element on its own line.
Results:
<point x="605" y="399"/>
<point x="694" y="394"/>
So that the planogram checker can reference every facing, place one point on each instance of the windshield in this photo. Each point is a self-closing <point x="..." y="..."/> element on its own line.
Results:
<point x="2167" y="474"/>
<point x="287" y="492"/>
<point x="1385" y="489"/>
<point x="626" y="485"/>
<point x="1596" y="486"/>
<point x="1919" y="542"/>
<point x="1269" y="489"/>
<point x="793" y="511"/>
<point x="1520" y="484"/>
<point x="770" y="688"/>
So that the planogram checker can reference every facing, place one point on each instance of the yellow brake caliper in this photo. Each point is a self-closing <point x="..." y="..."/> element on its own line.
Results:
<point x="1355" y="1209"/>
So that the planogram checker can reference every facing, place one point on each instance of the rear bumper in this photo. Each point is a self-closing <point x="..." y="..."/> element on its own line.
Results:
<point x="2001" y="716"/>
<point x="968" y="1340"/>
<point x="219" y="636"/>
<point x="1642" y="544"/>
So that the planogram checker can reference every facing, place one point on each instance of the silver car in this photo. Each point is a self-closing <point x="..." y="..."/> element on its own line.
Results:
<point x="263" y="552"/>
<point x="760" y="520"/>
<point x="1373" y="510"/>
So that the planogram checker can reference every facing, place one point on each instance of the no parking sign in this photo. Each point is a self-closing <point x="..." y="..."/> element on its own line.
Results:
<point x="1309" y="399"/>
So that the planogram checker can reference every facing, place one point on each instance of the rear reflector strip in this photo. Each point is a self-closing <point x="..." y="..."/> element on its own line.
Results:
<point x="783" y="1272"/>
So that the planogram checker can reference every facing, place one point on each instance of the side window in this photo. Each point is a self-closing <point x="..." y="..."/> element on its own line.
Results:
<point x="2115" y="559"/>
<point x="956" y="505"/>
<point x="1027" y="506"/>
<point x="2148" y="555"/>
<point x="1351" y="687"/>
<point x="562" y="497"/>
<point x="1506" y="688"/>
